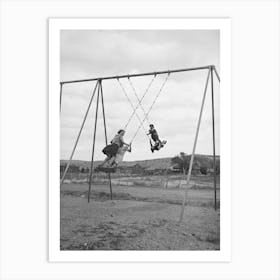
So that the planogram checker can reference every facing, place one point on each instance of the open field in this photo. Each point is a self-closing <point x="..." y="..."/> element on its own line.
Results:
<point x="138" y="218"/>
<point x="169" y="181"/>
<point x="157" y="163"/>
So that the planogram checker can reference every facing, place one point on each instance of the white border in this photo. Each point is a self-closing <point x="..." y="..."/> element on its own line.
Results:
<point x="55" y="255"/>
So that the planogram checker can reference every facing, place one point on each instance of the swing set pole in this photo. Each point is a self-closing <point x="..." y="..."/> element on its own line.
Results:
<point x="106" y="138"/>
<point x="214" y="141"/>
<point x="78" y="137"/>
<point x="140" y="74"/>
<point x="215" y="70"/>
<point x="60" y="100"/>
<point x="194" y="147"/>
<point x="93" y="143"/>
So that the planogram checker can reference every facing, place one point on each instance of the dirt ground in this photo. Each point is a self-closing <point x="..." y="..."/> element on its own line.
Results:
<point x="138" y="218"/>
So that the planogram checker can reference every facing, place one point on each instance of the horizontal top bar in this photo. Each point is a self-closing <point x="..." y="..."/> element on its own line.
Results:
<point x="139" y="75"/>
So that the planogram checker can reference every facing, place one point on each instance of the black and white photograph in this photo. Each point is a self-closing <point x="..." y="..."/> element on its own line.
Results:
<point x="140" y="140"/>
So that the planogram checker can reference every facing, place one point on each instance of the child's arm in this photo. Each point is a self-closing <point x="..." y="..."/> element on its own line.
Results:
<point x="128" y="145"/>
<point x="122" y="141"/>
<point x="129" y="148"/>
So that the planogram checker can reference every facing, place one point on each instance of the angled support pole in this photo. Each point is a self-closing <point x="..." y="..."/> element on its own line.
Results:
<point x="78" y="137"/>
<point x="60" y="100"/>
<point x="194" y="147"/>
<point x="217" y="75"/>
<point x="214" y="141"/>
<point x="106" y="138"/>
<point x="93" y="142"/>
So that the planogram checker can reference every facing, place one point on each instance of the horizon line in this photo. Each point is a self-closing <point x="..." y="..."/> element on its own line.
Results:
<point x="141" y="159"/>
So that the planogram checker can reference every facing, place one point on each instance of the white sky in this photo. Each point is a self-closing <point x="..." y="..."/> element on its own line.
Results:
<point x="92" y="53"/>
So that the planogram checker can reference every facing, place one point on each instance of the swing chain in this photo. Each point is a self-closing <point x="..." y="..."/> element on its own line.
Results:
<point x="132" y="106"/>
<point x="139" y="101"/>
<point x="155" y="99"/>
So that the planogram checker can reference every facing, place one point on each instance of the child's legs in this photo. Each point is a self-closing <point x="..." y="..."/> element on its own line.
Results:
<point x="157" y="146"/>
<point x="112" y="160"/>
<point x="117" y="159"/>
<point x="105" y="160"/>
<point x="158" y="143"/>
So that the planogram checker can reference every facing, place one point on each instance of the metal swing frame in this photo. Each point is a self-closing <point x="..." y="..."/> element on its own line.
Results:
<point x="98" y="88"/>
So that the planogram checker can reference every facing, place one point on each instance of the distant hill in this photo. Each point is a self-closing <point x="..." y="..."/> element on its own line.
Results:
<point x="150" y="164"/>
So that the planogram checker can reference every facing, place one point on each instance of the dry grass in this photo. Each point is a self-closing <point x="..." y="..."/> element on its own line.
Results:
<point x="138" y="218"/>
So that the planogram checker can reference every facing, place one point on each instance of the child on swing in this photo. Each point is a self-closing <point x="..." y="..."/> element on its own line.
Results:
<point x="111" y="150"/>
<point x="154" y="135"/>
<point x="114" y="161"/>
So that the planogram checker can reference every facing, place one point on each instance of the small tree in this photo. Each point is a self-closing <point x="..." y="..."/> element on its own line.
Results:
<point x="182" y="161"/>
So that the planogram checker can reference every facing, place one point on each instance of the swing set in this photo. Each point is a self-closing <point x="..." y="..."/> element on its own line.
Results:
<point x="211" y="70"/>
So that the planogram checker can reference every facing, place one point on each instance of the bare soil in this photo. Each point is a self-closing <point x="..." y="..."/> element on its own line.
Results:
<point x="138" y="218"/>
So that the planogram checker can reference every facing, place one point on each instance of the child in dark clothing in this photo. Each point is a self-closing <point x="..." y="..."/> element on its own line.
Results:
<point x="111" y="150"/>
<point x="154" y="135"/>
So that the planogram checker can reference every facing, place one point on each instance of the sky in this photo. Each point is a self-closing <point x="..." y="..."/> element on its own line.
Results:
<point x="93" y="53"/>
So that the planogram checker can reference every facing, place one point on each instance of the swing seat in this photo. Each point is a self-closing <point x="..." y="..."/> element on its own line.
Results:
<point x="106" y="169"/>
<point x="157" y="147"/>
